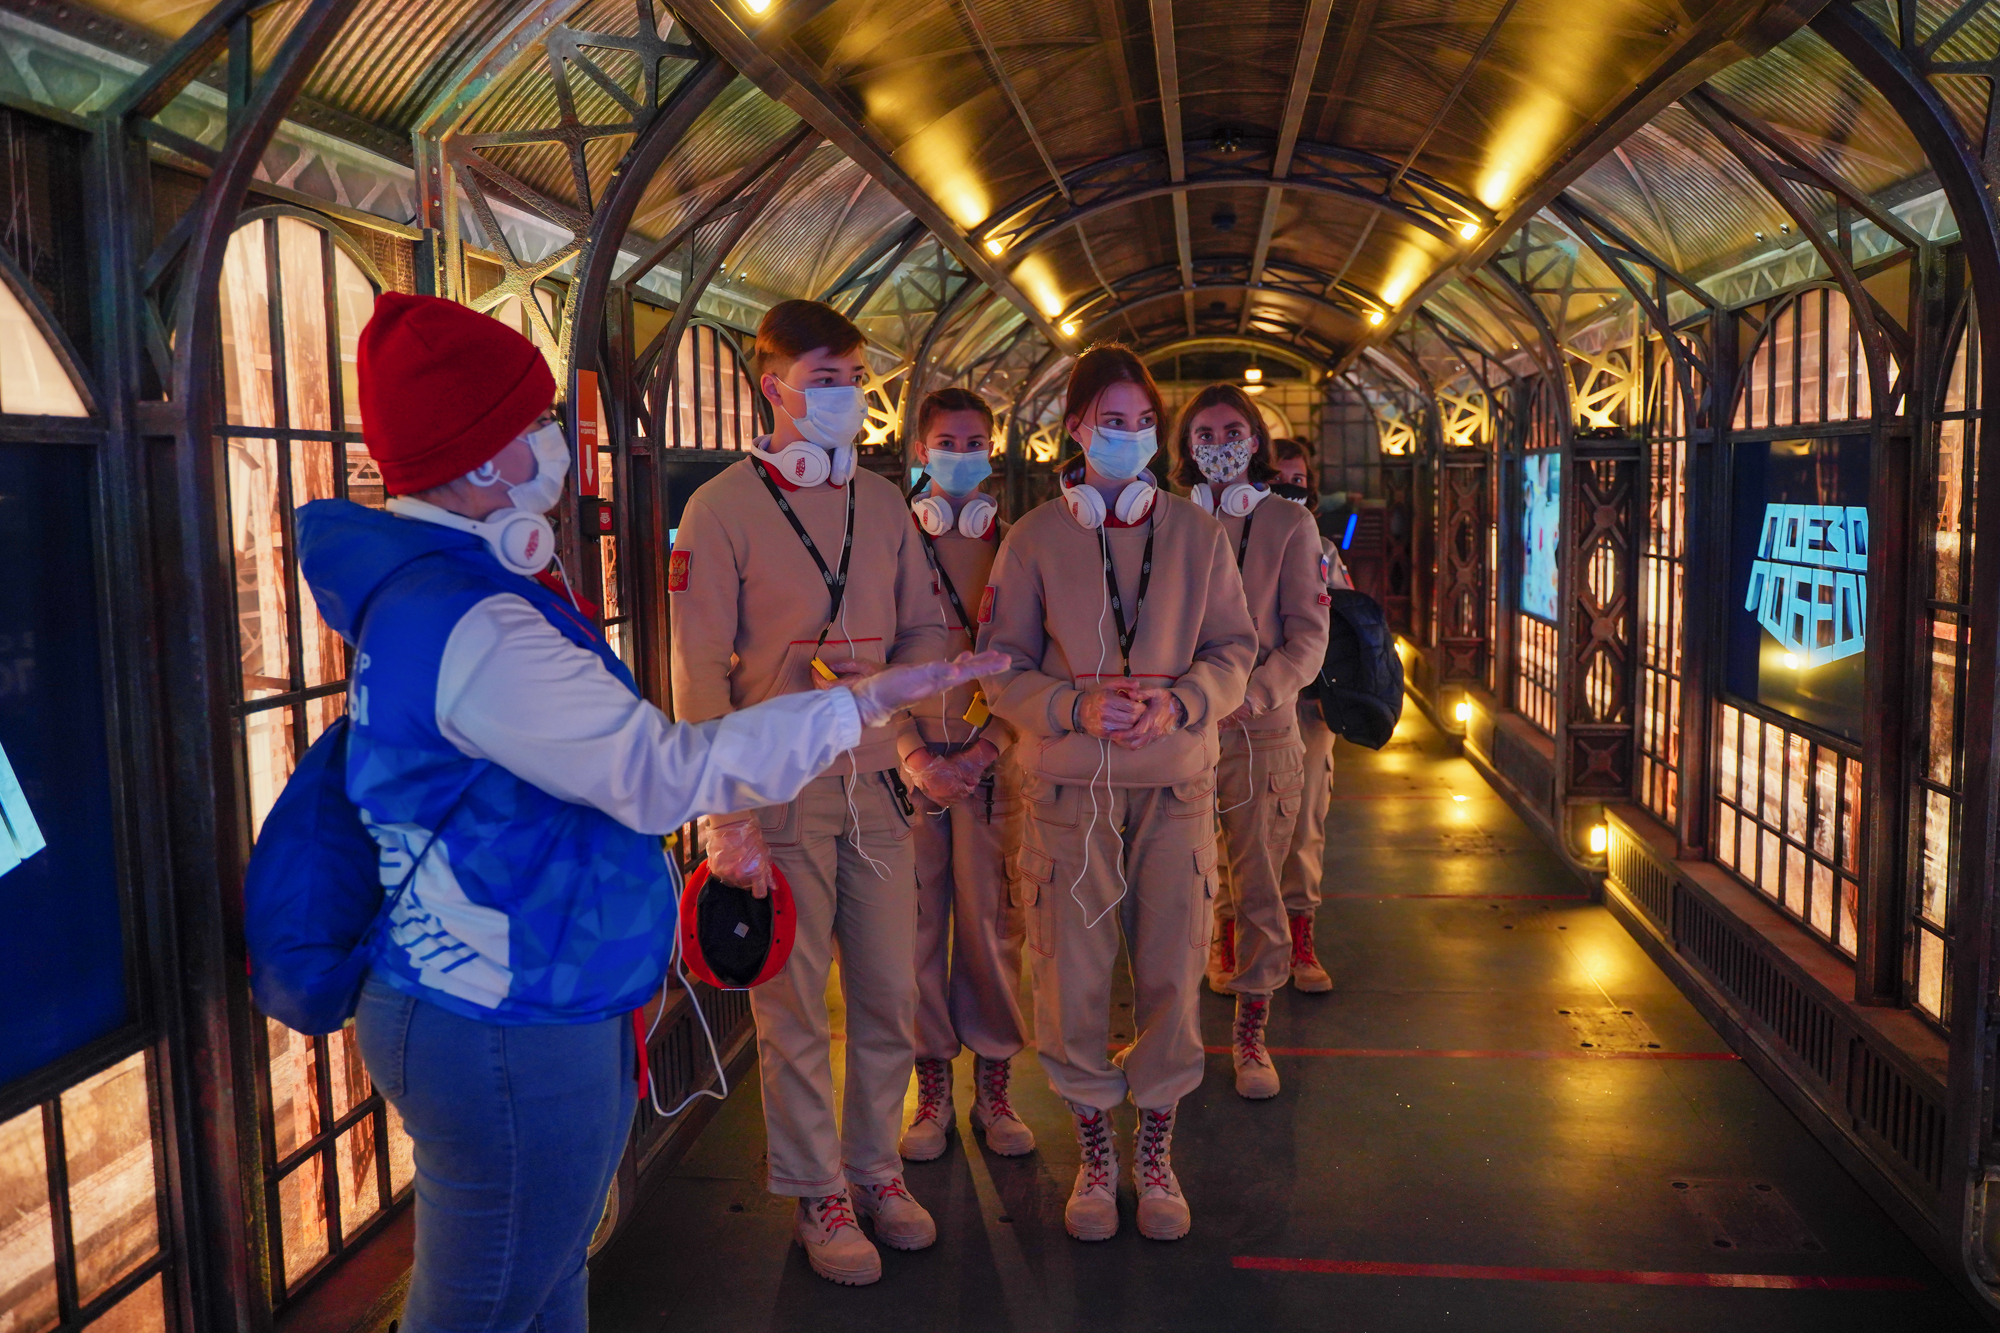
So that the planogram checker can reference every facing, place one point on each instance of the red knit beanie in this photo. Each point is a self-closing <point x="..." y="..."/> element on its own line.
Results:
<point x="443" y="389"/>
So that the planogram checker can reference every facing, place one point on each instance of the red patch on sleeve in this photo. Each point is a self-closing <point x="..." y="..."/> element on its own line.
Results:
<point x="677" y="570"/>
<point x="986" y="606"/>
<point x="1326" y="599"/>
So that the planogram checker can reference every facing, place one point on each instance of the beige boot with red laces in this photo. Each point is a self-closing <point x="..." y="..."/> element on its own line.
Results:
<point x="1163" y="1211"/>
<point x="834" y="1245"/>
<point x="1256" y="1076"/>
<point x="1307" y="973"/>
<point x="1092" y="1211"/>
<point x="1006" y="1133"/>
<point x="930" y="1126"/>
<point x="901" y="1222"/>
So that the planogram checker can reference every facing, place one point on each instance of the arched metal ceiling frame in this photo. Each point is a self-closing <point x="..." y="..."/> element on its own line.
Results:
<point x="1427" y="205"/>
<point x="1282" y="277"/>
<point x="1291" y="356"/>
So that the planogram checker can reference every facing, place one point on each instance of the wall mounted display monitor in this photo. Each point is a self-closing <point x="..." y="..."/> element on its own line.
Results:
<point x="1798" y="594"/>
<point x="62" y="949"/>
<point x="1541" y="529"/>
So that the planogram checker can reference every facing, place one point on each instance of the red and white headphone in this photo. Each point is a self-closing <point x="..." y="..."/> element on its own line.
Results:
<point x="1238" y="498"/>
<point x="975" y="515"/>
<point x="1086" y="506"/>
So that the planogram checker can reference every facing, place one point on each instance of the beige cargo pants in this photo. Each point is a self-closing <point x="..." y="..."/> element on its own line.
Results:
<point x="968" y="928"/>
<point x="859" y="903"/>
<point x="1258" y="796"/>
<point x="1095" y="865"/>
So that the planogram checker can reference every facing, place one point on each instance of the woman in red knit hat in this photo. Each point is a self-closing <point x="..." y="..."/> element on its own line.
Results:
<point x="518" y="787"/>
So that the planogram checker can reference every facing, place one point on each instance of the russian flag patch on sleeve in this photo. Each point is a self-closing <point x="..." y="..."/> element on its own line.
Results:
<point x="677" y="570"/>
<point x="986" y="605"/>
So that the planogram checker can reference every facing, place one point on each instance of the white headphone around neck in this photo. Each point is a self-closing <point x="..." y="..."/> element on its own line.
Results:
<point x="805" y="464"/>
<point x="1086" y="506"/>
<point x="522" y="542"/>
<point x="1237" y="500"/>
<point x="975" y="516"/>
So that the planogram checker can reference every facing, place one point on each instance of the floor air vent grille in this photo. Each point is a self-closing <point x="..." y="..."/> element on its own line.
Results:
<point x="1798" y="1020"/>
<point x="1531" y="774"/>
<point x="1911" y="1124"/>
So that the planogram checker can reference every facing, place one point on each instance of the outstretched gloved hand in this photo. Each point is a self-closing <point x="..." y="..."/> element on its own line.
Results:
<point x="738" y="854"/>
<point x="880" y="695"/>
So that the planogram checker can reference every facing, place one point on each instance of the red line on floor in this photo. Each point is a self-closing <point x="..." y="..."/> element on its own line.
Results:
<point x="1777" y="1281"/>
<point x="1365" y="1053"/>
<point x="1469" y="897"/>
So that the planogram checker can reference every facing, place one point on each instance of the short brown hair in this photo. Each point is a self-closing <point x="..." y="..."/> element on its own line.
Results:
<point x="1102" y="366"/>
<point x="1286" y="447"/>
<point x="954" y="399"/>
<point x="1186" y="473"/>
<point x="790" y="329"/>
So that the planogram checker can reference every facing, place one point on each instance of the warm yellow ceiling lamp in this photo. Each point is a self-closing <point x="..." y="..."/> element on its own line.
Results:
<point x="1469" y="230"/>
<point x="1253" y="375"/>
<point x="756" y="6"/>
<point x="1374" y="317"/>
<point x="1069" y="327"/>
<point x="994" y="245"/>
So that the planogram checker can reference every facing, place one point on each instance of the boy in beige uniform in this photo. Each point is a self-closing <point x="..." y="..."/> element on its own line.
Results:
<point x="755" y="606"/>
<point x="1122" y="613"/>
<point x="968" y="931"/>
<point x="1223" y="454"/>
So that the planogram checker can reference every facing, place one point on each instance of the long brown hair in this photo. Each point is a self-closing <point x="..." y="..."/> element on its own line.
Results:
<point x="1186" y="474"/>
<point x="1102" y="366"/>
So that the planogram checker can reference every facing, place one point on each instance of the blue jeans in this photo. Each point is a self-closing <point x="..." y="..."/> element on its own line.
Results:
<point x="518" y="1132"/>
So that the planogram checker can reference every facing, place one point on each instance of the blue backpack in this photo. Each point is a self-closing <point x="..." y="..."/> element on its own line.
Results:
<point x="313" y="897"/>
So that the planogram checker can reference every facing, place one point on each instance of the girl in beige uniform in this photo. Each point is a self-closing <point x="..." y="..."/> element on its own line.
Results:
<point x="786" y="563"/>
<point x="1223" y="454"/>
<point x="1122" y="613"/>
<point x="968" y="932"/>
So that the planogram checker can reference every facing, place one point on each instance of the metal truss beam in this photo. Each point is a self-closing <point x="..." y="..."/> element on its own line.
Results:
<point x="1311" y="37"/>
<point x="1297" y="282"/>
<point x="1362" y="178"/>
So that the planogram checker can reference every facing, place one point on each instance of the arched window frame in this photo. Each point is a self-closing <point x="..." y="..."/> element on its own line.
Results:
<point x="58" y="344"/>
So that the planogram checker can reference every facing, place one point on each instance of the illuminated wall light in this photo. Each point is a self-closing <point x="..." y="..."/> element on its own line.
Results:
<point x="1600" y="838"/>
<point x="1460" y="797"/>
<point x="1469" y="230"/>
<point x="1253" y="375"/>
<point x="1464" y="710"/>
<point x="1791" y="661"/>
<point x="1374" y="317"/>
<point x="994" y="245"/>
<point x="1069" y="327"/>
<point x="756" y="6"/>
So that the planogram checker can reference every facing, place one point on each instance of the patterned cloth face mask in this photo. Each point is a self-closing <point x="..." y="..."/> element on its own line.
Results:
<point x="1220" y="462"/>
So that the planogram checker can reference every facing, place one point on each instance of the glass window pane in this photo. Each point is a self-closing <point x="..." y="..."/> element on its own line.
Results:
<point x="356" y="299"/>
<point x="351" y="1085"/>
<point x="1839" y="360"/>
<point x="402" y="1153"/>
<point x="1795" y="879"/>
<point x="246" y="330"/>
<point x="1774" y="773"/>
<point x="1797" y="752"/>
<point x="1850" y="935"/>
<point x="1822" y="899"/>
<point x="295" y="1109"/>
<point x="1850" y="812"/>
<point x="144" y="1311"/>
<point x="108" y="1141"/>
<point x="1930" y="974"/>
<point x="1760" y="386"/>
<point x="360" y="1193"/>
<point x="1812" y="315"/>
<point x="1944" y="697"/>
<point x="1781" y="366"/>
<point x="1950" y="510"/>
<point x="302" y="1217"/>
<point x="303" y="277"/>
<point x="257" y="507"/>
<point x="1725" y="835"/>
<point x="1752" y="764"/>
<point x="324" y="653"/>
<point x="27" y="1241"/>
<point x="269" y="758"/>
<point x="1731" y="725"/>
<point x="1770" y="866"/>
<point x="32" y="380"/>
<point x="1934" y="899"/>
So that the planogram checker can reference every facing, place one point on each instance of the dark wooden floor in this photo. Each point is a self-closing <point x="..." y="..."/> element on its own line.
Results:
<point x="1503" y="1118"/>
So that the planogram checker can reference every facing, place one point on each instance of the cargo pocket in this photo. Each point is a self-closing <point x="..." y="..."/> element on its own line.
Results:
<point x="1201" y="917"/>
<point x="1044" y="801"/>
<point x="780" y="823"/>
<point x="1288" y="786"/>
<point x="1034" y="874"/>
<point x="1194" y="798"/>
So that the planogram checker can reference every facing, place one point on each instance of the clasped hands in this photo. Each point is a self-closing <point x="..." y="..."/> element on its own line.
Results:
<point x="1129" y="716"/>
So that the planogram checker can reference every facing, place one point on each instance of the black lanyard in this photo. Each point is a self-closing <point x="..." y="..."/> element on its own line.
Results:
<point x="1243" y="542"/>
<point x="944" y="580"/>
<point x="836" y="584"/>
<point x="1126" y="634"/>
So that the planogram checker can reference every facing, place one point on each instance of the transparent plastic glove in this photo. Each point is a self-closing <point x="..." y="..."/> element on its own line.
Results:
<point x="849" y="672"/>
<point x="883" y="693"/>
<point x="1244" y="712"/>
<point x="738" y="855"/>
<point x="1163" y="714"/>
<point x="1104" y="713"/>
<point x="935" y="775"/>
<point x="966" y="769"/>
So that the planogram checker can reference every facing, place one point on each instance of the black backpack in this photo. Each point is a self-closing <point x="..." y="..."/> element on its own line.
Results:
<point x="1360" y="684"/>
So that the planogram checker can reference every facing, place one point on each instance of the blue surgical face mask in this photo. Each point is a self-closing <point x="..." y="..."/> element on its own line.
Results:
<point x="1121" y="454"/>
<point x="959" y="474"/>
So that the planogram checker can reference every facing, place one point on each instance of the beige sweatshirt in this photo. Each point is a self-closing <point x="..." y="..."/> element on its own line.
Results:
<point x="967" y="562"/>
<point x="1285" y="587"/>
<point x="1049" y="611"/>
<point x="748" y="602"/>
